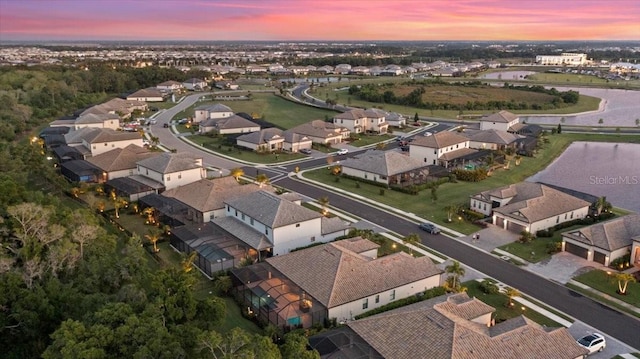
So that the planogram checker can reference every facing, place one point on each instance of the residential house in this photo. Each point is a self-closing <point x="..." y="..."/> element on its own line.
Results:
<point x="449" y="326"/>
<point x="194" y="84"/>
<point x="443" y="148"/>
<point x="389" y="167"/>
<point x="103" y="140"/>
<point x="395" y="119"/>
<point x="294" y="142"/>
<point x="150" y="94"/>
<point x="227" y="85"/>
<point x="105" y="120"/>
<point x="275" y="225"/>
<point x="528" y="206"/>
<point x="342" y="69"/>
<point x="322" y="132"/>
<point x="206" y="112"/>
<point x="606" y="241"/>
<point x="363" y="121"/>
<point x="170" y="86"/>
<point x="491" y="139"/>
<point x="502" y="121"/>
<point x="172" y="170"/>
<point x="120" y="162"/>
<point x="205" y="198"/>
<point x="347" y="278"/>
<point x="265" y="140"/>
<point x="256" y="69"/>
<point x="121" y="107"/>
<point x="229" y="125"/>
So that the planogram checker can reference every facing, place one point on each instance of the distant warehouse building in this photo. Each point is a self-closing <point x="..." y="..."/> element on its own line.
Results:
<point x="569" y="59"/>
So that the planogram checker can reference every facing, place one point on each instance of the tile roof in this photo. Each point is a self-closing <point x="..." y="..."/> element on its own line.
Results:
<point x="385" y="163"/>
<point x="171" y="162"/>
<point x="96" y="118"/>
<point x="170" y="83"/>
<point x="120" y="159"/>
<point x="263" y="136"/>
<point x="207" y="195"/>
<point x="148" y="92"/>
<point x="245" y="233"/>
<point x="218" y="107"/>
<point x="230" y="122"/>
<point x="358" y="244"/>
<point x="457" y="154"/>
<point x="610" y="235"/>
<point x="319" y="128"/>
<point x="76" y="137"/>
<point x="442" y="328"/>
<point x="332" y="225"/>
<point x="110" y="135"/>
<point x="292" y="137"/>
<point x="492" y="136"/>
<point x="340" y="276"/>
<point x="272" y="210"/>
<point x="502" y="116"/>
<point x="532" y="202"/>
<point x="439" y="140"/>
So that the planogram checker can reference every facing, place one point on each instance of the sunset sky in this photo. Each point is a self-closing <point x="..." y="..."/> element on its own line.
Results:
<point x="337" y="20"/>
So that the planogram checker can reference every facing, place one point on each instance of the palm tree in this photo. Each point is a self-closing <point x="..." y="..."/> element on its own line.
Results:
<point x="451" y="210"/>
<point x="324" y="202"/>
<point x="456" y="271"/>
<point x="187" y="262"/>
<point x="623" y="281"/>
<point x="237" y="173"/>
<point x="75" y="192"/>
<point x="150" y="212"/>
<point x="262" y="179"/>
<point x="511" y="293"/>
<point x="154" y="236"/>
<point x="602" y="205"/>
<point x="411" y="239"/>
<point x="118" y="202"/>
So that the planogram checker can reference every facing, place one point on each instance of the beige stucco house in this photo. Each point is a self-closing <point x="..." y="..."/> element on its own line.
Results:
<point x="442" y="148"/>
<point x="606" y="241"/>
<point x="528" y="206"/>
<point x="172" y="169"/>
<point x="363" y="121"/>
<point x="203" y="113"/>
<point x="322" y="132"/>
<point x="120" y="162"/>
<point x="388" y="167"/>
<point x="229" y="125"/>
<point x="502" y="121"/>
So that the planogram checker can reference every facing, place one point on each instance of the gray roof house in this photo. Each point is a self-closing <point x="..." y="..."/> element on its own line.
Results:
<point x="502" y="120"/>
<point x="340" y="284"/>
<point x="491" y="139"/>
<point x="606" y="241"/>
<point x="322" y="132"/>
<point x="450" y="326"/>
<point x="229" y="125"/>
<point x="171" y="170"/>
<point x="273" y="223"/>
<point x="528" y="206"/>
<point x="388" y="167"/>
<point x="265" y="140"/>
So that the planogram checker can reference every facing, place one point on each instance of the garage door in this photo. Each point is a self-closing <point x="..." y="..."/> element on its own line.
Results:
<point x="599" y="257"/>
<point x="576" y="250"/>
<point x="514" y="227"/>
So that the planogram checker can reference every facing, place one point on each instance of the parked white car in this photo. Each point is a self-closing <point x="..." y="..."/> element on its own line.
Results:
<point x="593" y="342"/>
<point x="342" y="151"/>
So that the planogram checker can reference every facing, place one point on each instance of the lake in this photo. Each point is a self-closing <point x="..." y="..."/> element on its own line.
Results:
<point x="600" y="169"/>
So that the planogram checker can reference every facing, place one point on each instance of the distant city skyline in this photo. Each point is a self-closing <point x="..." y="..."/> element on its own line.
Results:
<point x="327" y="20"/>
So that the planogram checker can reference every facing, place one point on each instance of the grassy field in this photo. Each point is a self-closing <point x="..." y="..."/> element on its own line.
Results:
<point x="458" y="193"/>
<point x="608" y="285"/>
<point x="448" y="93"/>
<point x="282" y="113"/>
<point x="503" y="312"/>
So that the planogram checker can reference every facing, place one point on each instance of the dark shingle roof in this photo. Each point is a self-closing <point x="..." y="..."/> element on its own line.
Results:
<point x="272" y="210"/>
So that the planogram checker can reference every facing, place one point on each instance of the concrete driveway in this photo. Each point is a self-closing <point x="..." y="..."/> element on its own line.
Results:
<point x="563" y="266"/>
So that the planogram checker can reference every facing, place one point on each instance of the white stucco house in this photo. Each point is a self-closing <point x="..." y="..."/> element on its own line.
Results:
<point x="322" y="132"/>
<point x="172" y="169"/>
<point x="120" y="162"/>
<point x="151" y="94"/>
<point x="606" y="241"/>
<point x="491" y="139"/>
<point x="170" y="86"/>
<point x="272" y="223"/>
<point x="363" y="121"/>
<point x="442" y="148"/>
<point x="194" y="84"/>
<point x="528" y="206"/>
<point x="206" y="112"/>
<point x="265" y="140"/>
<point x="502" y="121"/>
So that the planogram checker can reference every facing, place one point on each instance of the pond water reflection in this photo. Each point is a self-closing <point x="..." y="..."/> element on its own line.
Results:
<point x="600" y="169"/>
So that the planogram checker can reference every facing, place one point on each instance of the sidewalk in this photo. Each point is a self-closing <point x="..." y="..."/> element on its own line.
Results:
<point x="606" y="296"/>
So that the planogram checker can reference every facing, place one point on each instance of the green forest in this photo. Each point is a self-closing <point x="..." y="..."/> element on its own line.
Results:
<point x="71" y="284"/>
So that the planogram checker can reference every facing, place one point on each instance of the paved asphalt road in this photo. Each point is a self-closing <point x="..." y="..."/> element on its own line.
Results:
<point x="621" y="326"/>
<point x="611" y="322"/>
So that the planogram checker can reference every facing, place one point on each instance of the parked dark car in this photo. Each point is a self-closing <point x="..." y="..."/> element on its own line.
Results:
<point x="429" y="228"/>
<point x="166" y="125"/>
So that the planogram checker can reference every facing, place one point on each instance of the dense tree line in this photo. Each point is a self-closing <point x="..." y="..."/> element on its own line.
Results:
<point x="416" y="98"/>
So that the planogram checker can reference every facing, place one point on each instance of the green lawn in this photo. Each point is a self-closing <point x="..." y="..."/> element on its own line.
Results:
<point x="537" y="249"/>
<point x="366" y="140"/>
<point x="458" y="193"/>
<point x="607" y="284"/>
<point x="503" y="312"/>
<point x="218" y="144"/>
<point x="275" y="109"/>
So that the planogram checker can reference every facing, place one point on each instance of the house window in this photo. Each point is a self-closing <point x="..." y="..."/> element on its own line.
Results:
<point x="558" y="219"/>
<point x="313" y="238"/>
<point x="147" y="172"/>
<point x="266" y="231"/>
<point x="485" y="206"/>
<point x="180" y="176"/>
<point x="94" y="147"/>
<point x="297" y="225"/>
<point x="365" y="176"/>
<point x="365" y="303"/>
<point x="435" y="152"/>
<point x="106" y="144"/>
<point x="236" y="213"/>
<point x="393" y="294"/>
<point x="377" y="298"/>
<point x="571" y="215"/>
<point x="565" y="215"/>
<point x="242" y="216"/>
<point x="251" y="221"/>
<point x="130" y="172"/>
<point x="168" y="178"/>
<point x="457" y="146"/>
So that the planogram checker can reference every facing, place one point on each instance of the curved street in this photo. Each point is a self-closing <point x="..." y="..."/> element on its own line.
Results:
<point x="609" y="321"/>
